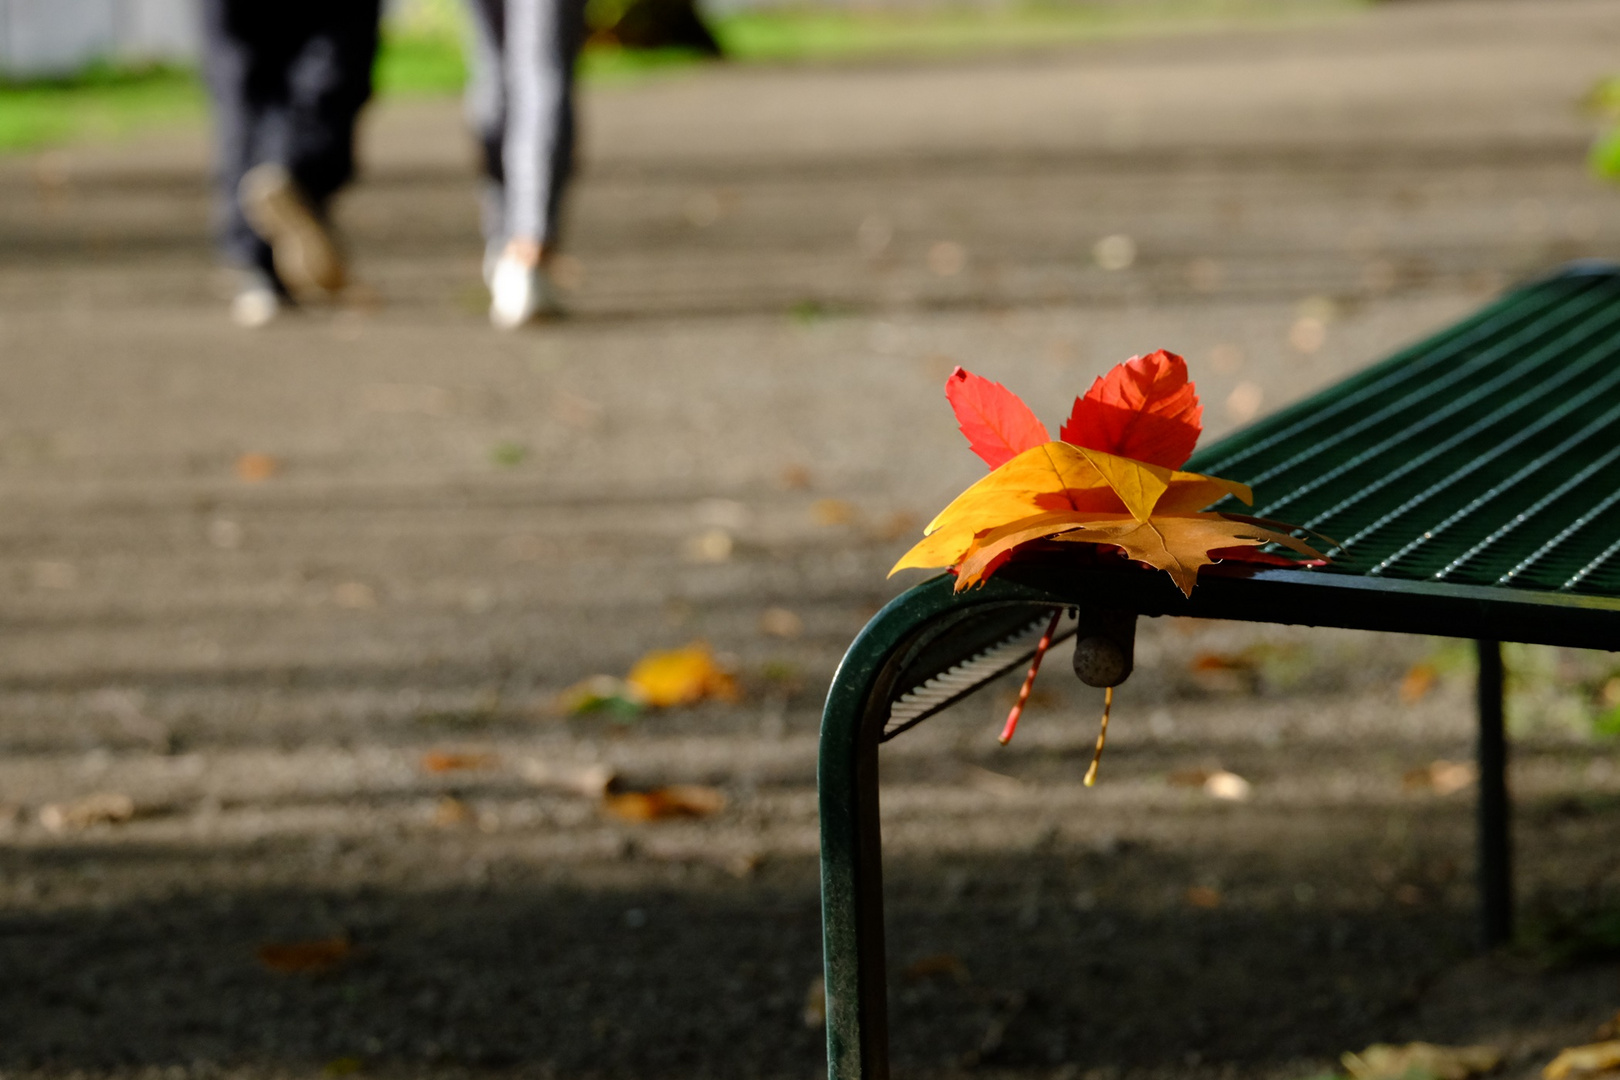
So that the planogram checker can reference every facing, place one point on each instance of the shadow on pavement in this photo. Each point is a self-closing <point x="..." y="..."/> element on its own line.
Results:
<point x="1007" y="962"/>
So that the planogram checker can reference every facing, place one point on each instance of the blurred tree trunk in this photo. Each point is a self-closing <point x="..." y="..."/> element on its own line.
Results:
<point x="652" y="24"/>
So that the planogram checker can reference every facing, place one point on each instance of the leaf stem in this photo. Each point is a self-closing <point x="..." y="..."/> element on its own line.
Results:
<point x="1029" y="680"/>
<point x="1102" y="737"/>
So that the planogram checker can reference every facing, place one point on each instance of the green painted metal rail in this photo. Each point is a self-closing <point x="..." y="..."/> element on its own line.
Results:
<point x="1489" y="455"/>
<point x="1473" y="482"/>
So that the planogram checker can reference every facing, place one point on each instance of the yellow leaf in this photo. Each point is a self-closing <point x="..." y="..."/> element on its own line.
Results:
<point x="1594" y="1059"/>
<point x="1053" y="476"/>
<point x="1138" y="484"/>
<point x="983" y="552"/>
<point x="1191" y="492"/>
<point x="660" y="804"/>
<point x="681" y="677"/>
<point x="1057" y="478"/>
<point x="1382" y="1061"/>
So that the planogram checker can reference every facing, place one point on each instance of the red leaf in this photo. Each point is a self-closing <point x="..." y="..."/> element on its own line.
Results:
<point x="1144" y="409"/>
<point x="997" y="424"/>
<point x="1255" y="555"/>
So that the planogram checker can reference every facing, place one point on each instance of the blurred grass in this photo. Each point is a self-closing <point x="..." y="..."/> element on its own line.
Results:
<point x="1604" y="100"/>
<point x="99" y="103"/>
<point x="797" y="34"/>
<point x="421" y="55"/>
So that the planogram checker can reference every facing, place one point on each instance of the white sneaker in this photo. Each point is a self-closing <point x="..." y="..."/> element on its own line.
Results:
<point x="306" y="255"/>
<point x="518" y="293"/>
<point x="256" y="302"/>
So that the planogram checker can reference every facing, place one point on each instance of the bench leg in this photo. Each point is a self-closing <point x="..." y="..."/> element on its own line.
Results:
<point x="852" y="899"/>
<point x="1495" y="840"/>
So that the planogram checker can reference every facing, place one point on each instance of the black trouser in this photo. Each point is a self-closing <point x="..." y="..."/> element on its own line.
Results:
<point x="288" y="78"/>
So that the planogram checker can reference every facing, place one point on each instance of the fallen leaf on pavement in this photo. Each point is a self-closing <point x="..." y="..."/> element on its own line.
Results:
<point x="662" y="804"/>
<point x="681" y="677"/>
<point x="450" y="811"/>
<point x="305" y="957"/>
<point x="1218" y="783"/>
<point x="709" y="547"/>
<point x="508" y="453"/>
<point x="602" y="693"/>
<point x="1188" y="777"/>
<point x="1228" y="785"/>
<point x="1443" y="777"/>
<point x="1209" y="661"/>
<point x="895" y="526"/>
<point x="780" y="622"/>
<point x="745" y="864"/>
<point x="592" y="781"/>
<point x="831" y="512"/>
<point x="815" y="1003"/>
<point x="1226" y="673"/>
<point x="1417" y="682"/>
<point x="1580" y="1062"/>
<point x="102" y="808"/>
<point x="936" y="966"/>
<point x="1421" y="1061"/>
<point x="442" y="761"/>
<point x="794" y="477"/>
<point x="255" y="468"/>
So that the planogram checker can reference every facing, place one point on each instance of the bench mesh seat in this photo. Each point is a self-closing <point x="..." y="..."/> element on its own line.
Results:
<point x="1489" y="455"/>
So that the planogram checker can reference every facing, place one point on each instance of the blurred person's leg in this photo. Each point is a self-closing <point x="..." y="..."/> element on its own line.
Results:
<point x="287" y="199"/>
<point x="486" y="114"/>
<point x="245" y="58"/>
<point x="289" y="80"/>
<point x="330" y="82"/>
<point x="525" y="90"/>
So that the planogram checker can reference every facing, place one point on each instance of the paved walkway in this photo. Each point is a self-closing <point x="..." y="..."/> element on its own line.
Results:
<point x="773" y="271"/>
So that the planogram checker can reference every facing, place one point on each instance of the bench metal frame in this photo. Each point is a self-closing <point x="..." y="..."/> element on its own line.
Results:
<point x="930" y="628"/>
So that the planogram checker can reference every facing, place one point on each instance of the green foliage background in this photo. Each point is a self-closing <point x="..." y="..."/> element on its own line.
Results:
<point x="422" y="53"/>
<point x="1605" y="101"/>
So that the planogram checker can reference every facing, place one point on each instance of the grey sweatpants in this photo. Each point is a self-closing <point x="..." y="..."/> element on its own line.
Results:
<point x="521" y="104"/>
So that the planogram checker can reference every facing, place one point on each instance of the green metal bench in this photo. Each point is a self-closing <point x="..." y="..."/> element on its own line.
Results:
<point x="1473" y="482"/>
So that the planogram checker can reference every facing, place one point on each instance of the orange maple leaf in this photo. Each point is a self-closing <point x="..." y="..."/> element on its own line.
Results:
<point x="1176" y="543"/>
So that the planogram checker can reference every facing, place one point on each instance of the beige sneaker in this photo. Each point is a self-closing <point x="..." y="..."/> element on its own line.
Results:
<point x="306" y="257"/>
